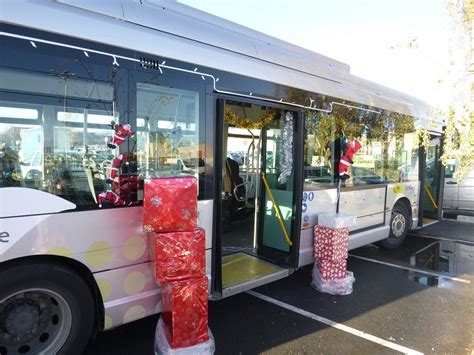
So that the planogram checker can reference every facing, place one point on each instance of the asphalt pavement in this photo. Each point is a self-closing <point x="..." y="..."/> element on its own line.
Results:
<point x="418" y="298"/>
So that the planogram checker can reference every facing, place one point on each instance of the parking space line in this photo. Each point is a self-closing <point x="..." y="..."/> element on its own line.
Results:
<point x="336" y="325"/>
<point x="411" y="269"/>
<point x="446" y="239"/>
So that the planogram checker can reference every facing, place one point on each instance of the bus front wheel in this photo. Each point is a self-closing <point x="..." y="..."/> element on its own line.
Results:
<point x="399" y="225"/>
<point x="44" y="309"/>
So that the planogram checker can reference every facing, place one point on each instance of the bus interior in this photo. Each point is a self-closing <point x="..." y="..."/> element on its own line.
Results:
<point x="254" y="243"/>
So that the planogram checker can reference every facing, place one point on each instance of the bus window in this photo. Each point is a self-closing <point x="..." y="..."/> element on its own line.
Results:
<point x="388" y="146"/>
<point x="78" y="154"/>
<point x="405" y="162"/>
<point x="21" y="139"/>
<point x="56" y="144"/>
<point x="389" y="151"/>
<point x="168" y="136"/>
<point x="450" y="168"/>
<point x="58" y="83"/>
<point x="319" y="151"/>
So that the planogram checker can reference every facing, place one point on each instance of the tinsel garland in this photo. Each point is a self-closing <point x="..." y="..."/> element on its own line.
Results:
<point x="242" y="122"/>
<point x="286" y="147"/>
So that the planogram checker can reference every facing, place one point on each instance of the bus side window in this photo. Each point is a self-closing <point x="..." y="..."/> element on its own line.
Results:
<point x="386" y="156"/>
<point x="20" y="149"/>
<point x="449" y="170"/>
<point x="319" y="152"/>
<point x="168" y="132"/>
<point x="55" y="144"/>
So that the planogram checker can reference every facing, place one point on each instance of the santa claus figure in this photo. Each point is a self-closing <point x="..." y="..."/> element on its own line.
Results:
<point x="111" y="197"/>
<point x="121" y="132"/>
<point x="113" y="171"/>
<point x="349" y="149"/>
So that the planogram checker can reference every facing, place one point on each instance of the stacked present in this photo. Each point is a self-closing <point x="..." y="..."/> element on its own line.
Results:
<point x="170" y="212"/>
<point x="331" y="245"/>
<point x="170" y="205"/>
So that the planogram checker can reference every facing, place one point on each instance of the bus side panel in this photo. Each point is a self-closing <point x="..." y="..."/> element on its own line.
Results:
<point x="317" y="202"/>
<point x="409" y="190"/>
<point x="306" y="247"/>
<point x="101" y="239"/>
<point x="129" y="293"/>
<point x="366" y="204"/>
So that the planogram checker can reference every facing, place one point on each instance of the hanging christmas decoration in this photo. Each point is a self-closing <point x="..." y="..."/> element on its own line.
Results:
<point x="349" y="148"/>
<point x="243" y="122"/>
<point x="112" y="172"/>
<point x="286" y="147"/>
<point x="111" y="197"/>
<point x="119" y="189"/>
<point x="121" y="132"/>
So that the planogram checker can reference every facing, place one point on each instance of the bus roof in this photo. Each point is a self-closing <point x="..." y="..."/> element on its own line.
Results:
<point x="173" y="30"/>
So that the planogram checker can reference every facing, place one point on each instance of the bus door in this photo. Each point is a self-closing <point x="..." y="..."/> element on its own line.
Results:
<point x="431" y="194"/>
<point x="258" y="194"/>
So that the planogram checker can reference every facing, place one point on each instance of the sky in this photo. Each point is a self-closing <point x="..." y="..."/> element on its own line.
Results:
<point x="372" y="36"/>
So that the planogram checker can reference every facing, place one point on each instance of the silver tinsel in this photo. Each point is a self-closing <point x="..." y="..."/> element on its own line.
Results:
<point x="286" y="147"/>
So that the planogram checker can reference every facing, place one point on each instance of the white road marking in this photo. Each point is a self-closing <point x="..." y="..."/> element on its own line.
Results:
<point x="446" y="239"/>
<point x="411" y="269"/>
<point x="336" y="325"/>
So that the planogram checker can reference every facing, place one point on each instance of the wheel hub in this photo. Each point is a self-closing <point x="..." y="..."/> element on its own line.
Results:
<point x="398" y="225"/>
<point x="23" y="318"/>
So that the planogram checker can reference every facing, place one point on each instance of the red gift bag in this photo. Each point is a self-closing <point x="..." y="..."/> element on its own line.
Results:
<point x="180" y="255"/>
<point x="332" y="270"/>
<point x="170" y="204"/>
<point x="331" y="243"/>
<point x="184" y="312"/>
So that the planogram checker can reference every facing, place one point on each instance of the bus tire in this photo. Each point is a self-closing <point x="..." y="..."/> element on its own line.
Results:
<point x="44" y="309"/>
<point x="399" y="225"/>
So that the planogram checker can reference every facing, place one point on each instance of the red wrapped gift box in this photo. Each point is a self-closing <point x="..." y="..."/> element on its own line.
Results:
<point x="180" y="255"/>
<point x="184" y="311"/>
<point x="331" y="243"/>
<point x="170" y="204"/>
<point x="332" y="270"/>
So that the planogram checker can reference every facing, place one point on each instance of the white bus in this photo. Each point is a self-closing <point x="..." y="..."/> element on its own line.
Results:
<point x="204" y="97"/>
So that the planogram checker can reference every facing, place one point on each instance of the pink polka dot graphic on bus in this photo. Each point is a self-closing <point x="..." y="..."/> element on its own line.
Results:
<point x="184" y="311"/>
<point x="331" y="243"/>
<point x="170" y="204"/>
<point x="180" y="255"/>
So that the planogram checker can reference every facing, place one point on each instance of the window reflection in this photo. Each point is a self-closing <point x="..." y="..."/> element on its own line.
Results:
<point x="50" y="155"/>
<point x="167" y="137"/>
<point x="389" y="151"/>
<point x="56" y="83"/>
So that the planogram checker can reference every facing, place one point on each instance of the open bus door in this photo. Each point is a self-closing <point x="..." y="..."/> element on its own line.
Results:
<point x="258" y="195"/>
<point x="432" y="178"/>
